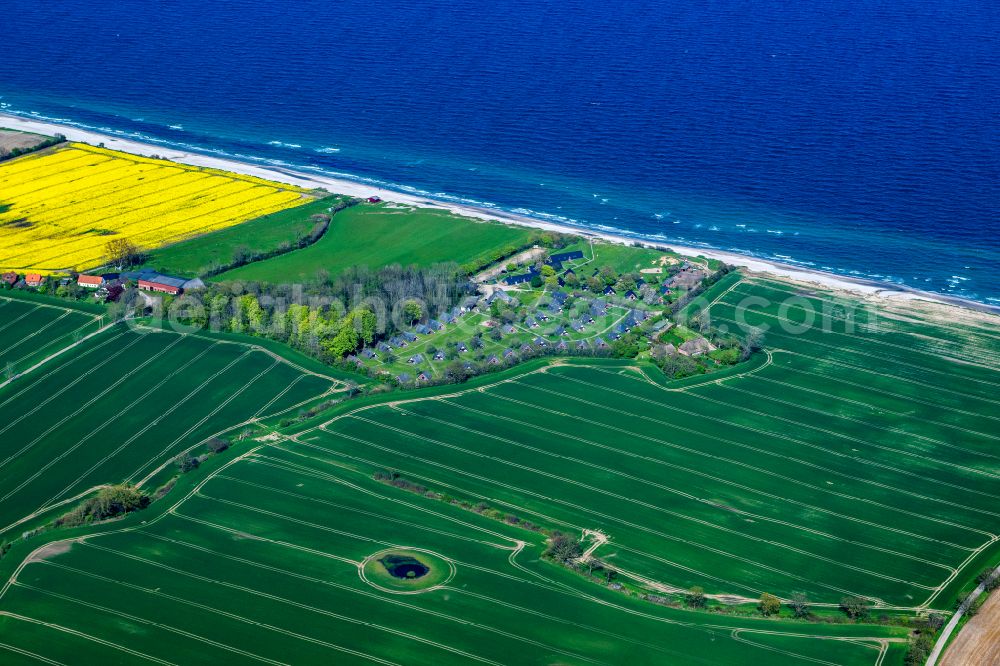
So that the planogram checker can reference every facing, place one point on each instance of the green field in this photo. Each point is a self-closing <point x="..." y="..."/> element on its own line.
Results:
<point x="260" y="562"/>
<point x="196" y="256"/>
<point x="855" y="456"/>
<point x="33" y="329"/>
<point x="122" y="405"/>
<point x="421" y="236"/>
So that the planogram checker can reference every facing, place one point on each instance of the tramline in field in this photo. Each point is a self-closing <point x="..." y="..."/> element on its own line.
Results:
<point x="123" y="405"/>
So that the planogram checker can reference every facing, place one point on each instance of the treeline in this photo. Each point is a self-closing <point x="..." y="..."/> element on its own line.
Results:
<point x="110" y="502"/>
<point x="243" y="255"/>
<point x="328" y="319"/>
<point x="17" y="152"/>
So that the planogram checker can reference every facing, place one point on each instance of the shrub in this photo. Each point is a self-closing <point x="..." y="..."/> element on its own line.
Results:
<point x="109" y="502"/>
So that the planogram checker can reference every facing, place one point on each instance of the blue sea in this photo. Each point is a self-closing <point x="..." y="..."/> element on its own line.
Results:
<point x="859" y="136"/>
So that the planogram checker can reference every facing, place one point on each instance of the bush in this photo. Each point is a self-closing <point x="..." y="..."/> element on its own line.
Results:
<point x="695" y="598"/>
<point x="856" y="608"/>
<point x="216" y="445"/>
<point x="186" y="463"/>
<point x="109" y="502"/>
<point x="563" y="548"/>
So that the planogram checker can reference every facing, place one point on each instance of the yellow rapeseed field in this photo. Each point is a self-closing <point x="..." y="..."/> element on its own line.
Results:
<point x="59" y="209"/>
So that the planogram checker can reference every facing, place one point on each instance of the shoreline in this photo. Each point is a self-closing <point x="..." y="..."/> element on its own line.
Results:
<point x="867" y="288"/>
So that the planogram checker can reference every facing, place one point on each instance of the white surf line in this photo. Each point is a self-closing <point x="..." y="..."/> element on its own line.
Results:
<point x="852" y="478"/>
<point x="259" y="593"/>
<point x="177" y="405"/>
<point x="767" y="417"/>
<point x="141" y="620"/>
<point x="870" y="339"/>
<point x="222" y="405"/>
<point x="67" y="386"/>
<point x="741" y="512"/>
<point x="648" y="505"/>
<point x="86" y="637"/>
<point x="80" y="409"/>
<point x="643" y="528"/>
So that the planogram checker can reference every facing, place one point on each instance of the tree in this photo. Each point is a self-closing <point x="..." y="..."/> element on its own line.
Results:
<point x="495" y="334"/>
<point x="769" y="604"/>
<point x="753" y="341"/>
<point x="217" y="445"/>
<point x="563" y="548"/>
<point x="186" y="463"/>
<point x="695" y="598"/>
<point x="799" y="605"/>
<point x="856" y="608"/>
<point x="122" y="253"/>
<point x="412" y="312"/>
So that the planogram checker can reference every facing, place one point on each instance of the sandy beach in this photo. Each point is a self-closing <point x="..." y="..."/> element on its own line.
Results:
<point x="343" y="186"/>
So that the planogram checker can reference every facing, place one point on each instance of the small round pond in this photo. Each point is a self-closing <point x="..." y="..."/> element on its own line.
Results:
<point x="406" y="570"/>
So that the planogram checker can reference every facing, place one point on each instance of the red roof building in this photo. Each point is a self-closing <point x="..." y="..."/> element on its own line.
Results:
<point x="153" y="285"/>
<point x="10" y="278"/>
<point x="90" y="281"/>
<point x="33" y="279"/>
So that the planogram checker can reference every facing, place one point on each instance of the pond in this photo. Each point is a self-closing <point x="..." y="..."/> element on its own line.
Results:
<point x="403" y="566"/>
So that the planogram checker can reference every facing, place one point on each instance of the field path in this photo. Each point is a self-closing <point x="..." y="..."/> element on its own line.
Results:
<point x="978" y="643"/>
<point x="57" y="353"/>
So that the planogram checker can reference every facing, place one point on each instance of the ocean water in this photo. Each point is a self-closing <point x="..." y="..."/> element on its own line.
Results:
<point x="857" y="136"/>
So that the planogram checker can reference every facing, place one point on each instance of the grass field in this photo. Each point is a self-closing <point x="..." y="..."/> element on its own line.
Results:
<point x="123" y="404"/>
<point x="406" y="236"/>
<point x="857" y="464"/>
<point x="196" y="256"/>
<point x="841" y="462"/>
<point x="34" y="329"/>
<point x="59" y="207"/>
<point x="259" y="562"/>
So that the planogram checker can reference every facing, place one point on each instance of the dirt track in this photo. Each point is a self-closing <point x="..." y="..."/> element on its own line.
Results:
<point x="978" y="644"/>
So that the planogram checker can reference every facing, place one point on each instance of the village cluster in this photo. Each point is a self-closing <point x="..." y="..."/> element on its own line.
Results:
<point x="523" y="315"/>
